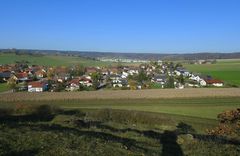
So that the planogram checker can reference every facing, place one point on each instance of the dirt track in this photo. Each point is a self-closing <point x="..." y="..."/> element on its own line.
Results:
<point x="124" y="94"/>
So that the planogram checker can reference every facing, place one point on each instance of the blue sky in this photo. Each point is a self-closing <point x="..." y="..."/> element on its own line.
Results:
<point x="159" y="26"/>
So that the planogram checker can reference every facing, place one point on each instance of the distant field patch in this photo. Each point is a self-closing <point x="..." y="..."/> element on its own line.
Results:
<point x="226" y="70"/>
<point x="51" y="60"/>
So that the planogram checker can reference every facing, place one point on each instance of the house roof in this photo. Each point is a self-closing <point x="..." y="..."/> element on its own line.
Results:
<point x="74" y="81"/>
<point x="39" y="72"/>
<point x="113" y="69"/>
<point x="5" y="75"/>
<point x="211" y="81"/>
<point x="91" y="69"/>
<point x="85" y="79"/>
<point x="21" y="75"/>
<point x="36" y="84"/>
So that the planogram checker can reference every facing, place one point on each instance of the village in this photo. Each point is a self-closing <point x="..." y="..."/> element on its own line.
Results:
<point x="152" y="75"/>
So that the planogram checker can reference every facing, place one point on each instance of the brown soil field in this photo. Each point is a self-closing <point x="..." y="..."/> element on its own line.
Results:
<point x="123" y="94"/>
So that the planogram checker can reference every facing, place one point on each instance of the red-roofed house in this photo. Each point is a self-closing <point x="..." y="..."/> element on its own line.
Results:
<point x="37" y="86"/>
<point x="73" y="85"/>
<point x="214" y="82"/>
<point x="40" y="74"/>
<point x="91" y="70"/>
<point x="86" y="81"/>
<point x="22" y="76"/>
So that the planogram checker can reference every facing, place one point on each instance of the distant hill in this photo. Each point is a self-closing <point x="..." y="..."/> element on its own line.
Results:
<point x="142" y="56"/>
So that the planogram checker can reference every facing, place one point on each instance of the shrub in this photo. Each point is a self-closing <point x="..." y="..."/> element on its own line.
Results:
<point x="229" y="124"/>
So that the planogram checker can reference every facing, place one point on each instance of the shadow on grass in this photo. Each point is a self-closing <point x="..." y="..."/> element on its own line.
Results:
<point x="8" y="119"/>
<point x="23" y="153"/>
<point x="128" y="143"/>
<point x="167" y="139"/>
<point x="9" y="152"/>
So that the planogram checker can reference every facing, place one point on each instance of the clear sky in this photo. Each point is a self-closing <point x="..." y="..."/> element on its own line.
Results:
<point x="160" y="26"/>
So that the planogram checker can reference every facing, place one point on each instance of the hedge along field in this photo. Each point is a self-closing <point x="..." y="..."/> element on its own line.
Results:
<point x="227" y="70"/>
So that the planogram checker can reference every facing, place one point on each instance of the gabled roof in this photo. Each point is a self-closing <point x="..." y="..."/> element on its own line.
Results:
<point x="37" y="84"/>
<point x="83" y="78"/>
<point x="211" y="81"/>
<point x="74" y="81"/>
<point x="40" y="72"/>
<point x="21" y="75"/>
<point x="91" y="69"/>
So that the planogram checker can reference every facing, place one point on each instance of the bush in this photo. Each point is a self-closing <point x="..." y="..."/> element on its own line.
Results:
<point x="128" y="117"/>
<point x="229" y="124"/>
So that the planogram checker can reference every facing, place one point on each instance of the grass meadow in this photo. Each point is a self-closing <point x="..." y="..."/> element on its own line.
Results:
<point x="50" y="60"/>
<point x="207" y="108"/>
<point x="227" y="70"/>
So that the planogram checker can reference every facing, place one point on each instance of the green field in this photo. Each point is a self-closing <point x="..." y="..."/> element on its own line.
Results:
<point x="207" y="108"/>
<point x="50" y="60"/>
<point x="227" y="70"/>
<point x="3" y="87"/>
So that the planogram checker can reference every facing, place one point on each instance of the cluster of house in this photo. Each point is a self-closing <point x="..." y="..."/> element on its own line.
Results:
<point x="40" y="78"/>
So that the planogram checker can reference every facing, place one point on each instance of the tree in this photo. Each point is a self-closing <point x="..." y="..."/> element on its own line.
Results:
<point x="132" y="84"/>
<point x="96" y="79"/>
<point x="229" y="124"/>
<point x="50" y="73"/>
<point x="142" y="76"/>
<point x="178" y="65"/>
<point x="59" y="87"/>
<point x="12" y="83"/>
<point x="181" y="79"/>
<point x="78" y="70"/>
<point x="170" y="82"/>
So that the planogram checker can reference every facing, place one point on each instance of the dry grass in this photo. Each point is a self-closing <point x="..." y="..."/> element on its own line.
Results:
<point x="123" y="94"/>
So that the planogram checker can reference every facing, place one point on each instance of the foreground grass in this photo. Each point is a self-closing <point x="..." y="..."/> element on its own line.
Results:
<point x="107" y="132"/>
<point x="226" y="70"/>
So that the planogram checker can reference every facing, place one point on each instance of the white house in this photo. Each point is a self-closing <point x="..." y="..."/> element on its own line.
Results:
<point x="86" y="81"/>
<point x="37" y="86"/>
<point x="214" y="82"/>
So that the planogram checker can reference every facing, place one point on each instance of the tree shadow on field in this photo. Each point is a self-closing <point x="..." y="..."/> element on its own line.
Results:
<point x="168" y="139"/>
<point x="127" y="142"/>
<point x="31" y="152"/>
<point x="11" y="119"/>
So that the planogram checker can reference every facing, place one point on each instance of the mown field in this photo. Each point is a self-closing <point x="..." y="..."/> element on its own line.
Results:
<point x="124" y="94"/>
<point x="202" y="102"/>
<point x="207" y="108"/>
<point x="227" y="70"/>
